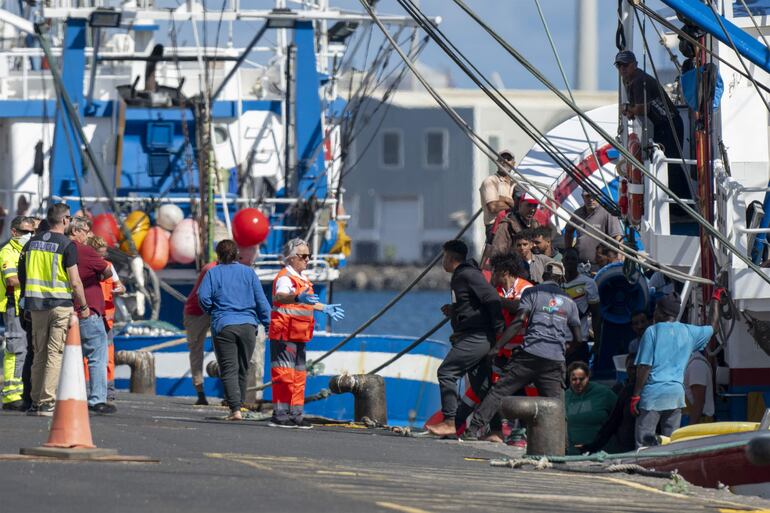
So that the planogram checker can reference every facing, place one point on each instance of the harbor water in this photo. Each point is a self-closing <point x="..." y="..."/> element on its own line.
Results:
<point x="413" y="315"/>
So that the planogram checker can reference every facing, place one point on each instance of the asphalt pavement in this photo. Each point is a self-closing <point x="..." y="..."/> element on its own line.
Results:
<point x="202" y="465"/>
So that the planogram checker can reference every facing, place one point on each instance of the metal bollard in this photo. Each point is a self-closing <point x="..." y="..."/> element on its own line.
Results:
<point x="544" y="420"/>
<point x="142" y="365"/>
<point x="758" y="450"/>
<point x="212" y="369"/>
<point x="369" y="393"/>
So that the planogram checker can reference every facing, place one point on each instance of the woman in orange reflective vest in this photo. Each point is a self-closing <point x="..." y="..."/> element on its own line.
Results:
<point x="291" y="327"/>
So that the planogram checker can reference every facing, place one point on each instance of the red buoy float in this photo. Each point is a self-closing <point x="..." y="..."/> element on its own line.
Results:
<point x="106" y="227"/>
<point x="155" y="248"/>
<point x="250" y="227"/>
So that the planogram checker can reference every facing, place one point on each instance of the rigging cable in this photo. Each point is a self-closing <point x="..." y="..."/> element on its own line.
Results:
<point x="591" y="146"/>
<point x="489" y="153"/>
<point x="526" y="183"/>
<point x="629" y="157"/>
<point x="508" y="108"/>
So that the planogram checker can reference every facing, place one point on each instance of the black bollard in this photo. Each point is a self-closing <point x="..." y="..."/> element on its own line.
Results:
<point x="142" y="365"/>
<point x="544" y="420"/>
<point x="369" y="393"/>
<point x="758" y="450"/>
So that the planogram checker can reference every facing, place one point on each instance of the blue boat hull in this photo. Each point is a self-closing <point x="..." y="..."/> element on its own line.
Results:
<point x="410" y="382"/>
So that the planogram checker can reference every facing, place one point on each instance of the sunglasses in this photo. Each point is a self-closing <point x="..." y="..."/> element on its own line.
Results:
<point x="25" y="232"/>
<point x="305" y="256"/>
<point x="622" y="65"/>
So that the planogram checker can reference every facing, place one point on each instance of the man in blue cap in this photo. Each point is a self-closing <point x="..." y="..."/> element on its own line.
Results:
<point x="646" y="100"/>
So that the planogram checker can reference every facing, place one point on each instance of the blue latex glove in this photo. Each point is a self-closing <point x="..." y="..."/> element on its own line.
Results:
<point x="335" y="311"/>
<point x="307" y="298"/>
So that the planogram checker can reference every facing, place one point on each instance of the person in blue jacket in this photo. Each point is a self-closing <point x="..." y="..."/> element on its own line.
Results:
<point x="233" y="296"/>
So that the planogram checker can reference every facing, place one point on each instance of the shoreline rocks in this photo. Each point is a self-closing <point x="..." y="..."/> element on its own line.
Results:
<point x="391" y="277"/>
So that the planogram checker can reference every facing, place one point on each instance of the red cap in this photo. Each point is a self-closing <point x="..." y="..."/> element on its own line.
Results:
<point x="527" y="198"/>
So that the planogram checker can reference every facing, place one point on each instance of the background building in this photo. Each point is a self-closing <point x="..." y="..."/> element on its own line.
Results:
<point x="416" y="175"/>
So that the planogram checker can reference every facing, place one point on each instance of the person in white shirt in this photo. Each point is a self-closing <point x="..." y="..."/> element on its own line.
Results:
<point x="699" y="389"/>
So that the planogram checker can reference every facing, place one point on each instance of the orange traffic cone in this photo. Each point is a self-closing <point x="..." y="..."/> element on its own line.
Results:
<point x="71" y="427"/>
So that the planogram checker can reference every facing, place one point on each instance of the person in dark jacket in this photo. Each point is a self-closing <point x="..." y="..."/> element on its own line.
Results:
<point x="233" y="296"/>
<point x="621" y="422"/>
<point x="476" y="318"/>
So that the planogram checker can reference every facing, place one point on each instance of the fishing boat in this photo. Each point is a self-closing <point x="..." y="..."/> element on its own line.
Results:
<point x="171" y="146"/>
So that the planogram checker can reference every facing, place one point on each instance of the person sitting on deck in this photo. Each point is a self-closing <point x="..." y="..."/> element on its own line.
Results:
<point x="664" y="351"/>
<point x="617" y="432"/>
<point x="233" y="296"/>
<point x="587" y="406"/>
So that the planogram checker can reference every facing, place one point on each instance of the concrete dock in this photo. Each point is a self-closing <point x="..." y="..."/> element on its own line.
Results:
<point x="201" y="465"/>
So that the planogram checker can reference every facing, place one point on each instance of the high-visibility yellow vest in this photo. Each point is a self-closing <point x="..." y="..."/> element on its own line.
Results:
<point x="46" y="277"/>
<point x="9" y="260"/>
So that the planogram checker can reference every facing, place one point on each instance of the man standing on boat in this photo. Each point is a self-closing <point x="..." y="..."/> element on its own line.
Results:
<point x="291" y="327"/>
<point x="497" y="191"/>
<point x="15" y="337"/>
<point x="593" y="214"/>
<point x="646" y="100"/>
<point x="664" y="351"/>
<point x="476" y="318"/>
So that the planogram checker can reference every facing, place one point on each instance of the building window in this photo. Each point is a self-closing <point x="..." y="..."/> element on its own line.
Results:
<point x="494" y="142"/>
<point x="392" y="149"/>
<point x="365" y="252"/>
<point x="436" y="148"/>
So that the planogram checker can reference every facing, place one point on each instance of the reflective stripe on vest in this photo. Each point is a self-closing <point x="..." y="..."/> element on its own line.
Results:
<point x="292" y="322"/>
<point x="46" y="276"/>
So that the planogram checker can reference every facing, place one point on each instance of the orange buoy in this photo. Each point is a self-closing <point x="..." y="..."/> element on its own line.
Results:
<point x="106" y="227"/>
<point x="155" y="248"/>
<point x="138" y="223"/>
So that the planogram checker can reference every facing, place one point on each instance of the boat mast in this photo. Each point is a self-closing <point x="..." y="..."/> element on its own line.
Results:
<point x="705" y="170"/>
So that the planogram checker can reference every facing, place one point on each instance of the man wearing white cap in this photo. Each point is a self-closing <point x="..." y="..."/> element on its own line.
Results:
<point x="497" y="191"/>
<point x="593" y="214"/>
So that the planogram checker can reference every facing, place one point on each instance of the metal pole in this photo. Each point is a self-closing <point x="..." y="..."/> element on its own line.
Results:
<point x="240" y="60"/>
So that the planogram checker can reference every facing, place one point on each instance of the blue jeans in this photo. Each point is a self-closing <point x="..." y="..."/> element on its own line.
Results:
<point x="93" y="337"/>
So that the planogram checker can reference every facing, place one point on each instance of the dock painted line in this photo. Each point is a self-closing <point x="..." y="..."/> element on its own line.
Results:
<point x="399" y="507"/>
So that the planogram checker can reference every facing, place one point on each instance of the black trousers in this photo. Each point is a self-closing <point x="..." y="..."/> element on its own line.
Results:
<point x="233" y="347"/>
<point x="469" y="350"/>
<point x="522" y="369"/>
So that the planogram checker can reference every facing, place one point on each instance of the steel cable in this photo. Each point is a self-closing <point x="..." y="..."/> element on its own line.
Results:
<point x="629" y="157"/>
<point x="526" y="183"/>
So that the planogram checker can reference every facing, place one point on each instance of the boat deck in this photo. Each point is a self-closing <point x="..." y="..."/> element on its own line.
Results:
<point x="210" y="465"/>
